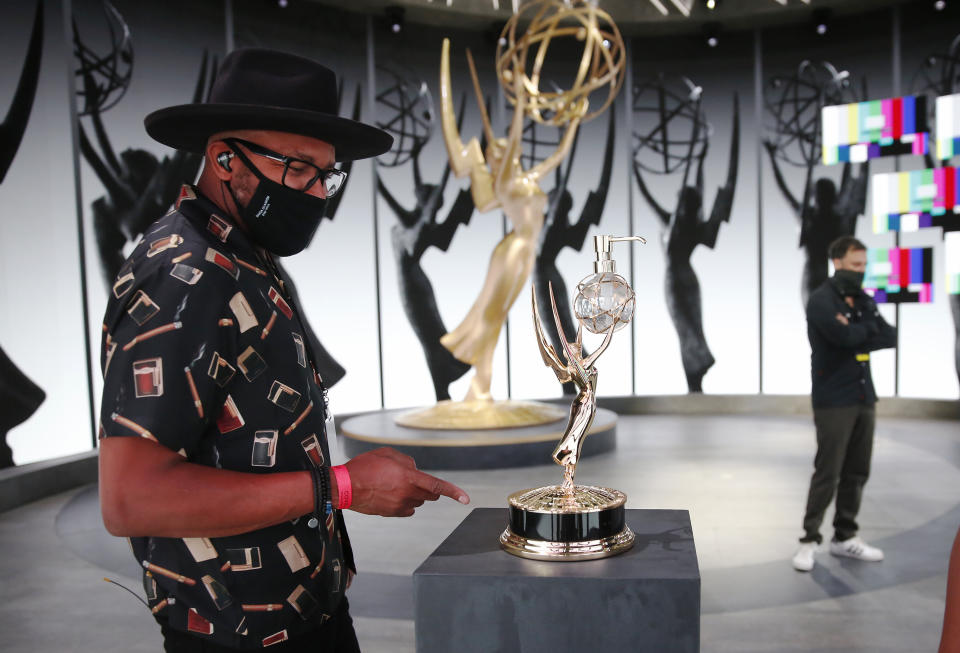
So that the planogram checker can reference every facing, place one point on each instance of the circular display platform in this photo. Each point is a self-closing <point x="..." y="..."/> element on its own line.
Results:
<point x="477" y="449"/>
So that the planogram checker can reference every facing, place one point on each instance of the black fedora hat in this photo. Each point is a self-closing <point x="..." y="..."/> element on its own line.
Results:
<point x="266" y="89"/>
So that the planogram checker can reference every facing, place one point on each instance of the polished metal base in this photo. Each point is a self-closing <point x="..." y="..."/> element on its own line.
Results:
<point x="547" y="523"/>
<point x="566" y="551"/>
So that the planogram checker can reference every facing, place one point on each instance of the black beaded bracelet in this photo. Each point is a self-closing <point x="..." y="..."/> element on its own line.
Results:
<point x="326" y="497"/>
<point x="316" y="479"/>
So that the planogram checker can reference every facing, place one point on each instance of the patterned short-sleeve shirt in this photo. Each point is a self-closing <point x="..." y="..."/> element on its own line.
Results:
<point x="203" y="352"/>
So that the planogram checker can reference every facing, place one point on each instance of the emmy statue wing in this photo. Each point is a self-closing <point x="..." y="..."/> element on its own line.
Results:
<point x="547" y="352"/>
<point x="14" y="124"/>
<point x="723" y="203"/>
<point x="462" y="157"/>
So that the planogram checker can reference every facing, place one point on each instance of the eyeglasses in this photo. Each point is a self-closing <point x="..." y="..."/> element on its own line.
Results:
<point x="297" y="174"/>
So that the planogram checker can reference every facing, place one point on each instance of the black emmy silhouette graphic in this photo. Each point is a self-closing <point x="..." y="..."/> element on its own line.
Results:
<point x="407" y="109"/>
<point x="19" y="396"/>
<point x="139" y="187"/>
<point x="559" y="232"/>
<point x="824" y="213"/>
<point x="327" y="366"/>
<point x="658" y="106"/>
<point x="939" y="74"/>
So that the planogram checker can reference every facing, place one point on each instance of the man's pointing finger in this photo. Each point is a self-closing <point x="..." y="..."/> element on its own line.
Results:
<point x="438" y="486"/>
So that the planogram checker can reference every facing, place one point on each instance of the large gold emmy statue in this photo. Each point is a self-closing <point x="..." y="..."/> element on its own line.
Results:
<point x="570" y="522"/>
<point x="499" y="181"/>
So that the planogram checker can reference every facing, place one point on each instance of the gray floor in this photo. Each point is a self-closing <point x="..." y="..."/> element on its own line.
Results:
<point x="743" y="479"/>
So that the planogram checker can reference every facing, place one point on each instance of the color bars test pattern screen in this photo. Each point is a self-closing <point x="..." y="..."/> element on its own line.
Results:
<point x="917" y="199"/>
<point x="948" y="126"/>
<point x="898" y="275"/>
<point x="867" y="130"/>
<point x="952" y="261"/>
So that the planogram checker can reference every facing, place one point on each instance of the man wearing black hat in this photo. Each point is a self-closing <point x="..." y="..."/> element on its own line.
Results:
<point x="225" y="485"/>
<point x="844" y="326"/>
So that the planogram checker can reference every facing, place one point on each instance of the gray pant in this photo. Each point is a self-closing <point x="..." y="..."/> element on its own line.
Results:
<point x="842" y="466"/>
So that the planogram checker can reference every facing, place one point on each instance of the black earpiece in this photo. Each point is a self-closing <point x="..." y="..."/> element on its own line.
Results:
<point x="224" y="159"/>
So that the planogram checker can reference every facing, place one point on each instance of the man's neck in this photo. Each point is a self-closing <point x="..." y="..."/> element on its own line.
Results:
<point x="216" y="191"/>
<point x="212" y="188"/>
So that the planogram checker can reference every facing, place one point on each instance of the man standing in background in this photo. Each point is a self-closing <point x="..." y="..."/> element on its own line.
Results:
<point x="844" y="326"/>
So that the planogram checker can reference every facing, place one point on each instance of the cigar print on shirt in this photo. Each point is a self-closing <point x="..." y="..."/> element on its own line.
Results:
<point x="245" y="559"/>
<point x="283" y="396"/>
<point x="201" y="548"/>
<point x="264" y="448"/>
<point x="293" y="554"/>
<point x="163" y="244"/>
<point x="197" y="624"/>
<point x="230" y="418"/>
<point x="150" y="586"/>
<point x="251" y="363"/>
<point x="219" y="227"/>
<point x="275" y="638"/>
<point x="303" y="602"/>
<point x="123" y="284"/>
<point x="311" y="446"/>
<point x="221" y="597"/>
<point x="148" y="377"/>
<point x="336" y="576"/>
<point x="110" y="347"/>
<point x="223" y="262"/>
<point x="186" y="273"/>
<point x="220" y="370"/>
<point x="301" y="349"/>
<point x="281" y="303"/>
<point x="244" y="313"/>
<point x="142" y="308"/>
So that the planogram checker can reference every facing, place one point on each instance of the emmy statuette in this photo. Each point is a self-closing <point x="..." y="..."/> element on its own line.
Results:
<point x="570" y="522"/>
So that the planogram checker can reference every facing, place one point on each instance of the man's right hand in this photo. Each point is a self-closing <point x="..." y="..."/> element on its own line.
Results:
<point x="386" y="482"/>
<point x="842" y="319"/>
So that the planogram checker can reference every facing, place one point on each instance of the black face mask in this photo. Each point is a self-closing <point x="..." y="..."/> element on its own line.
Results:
<point x="281" y="220"/>
<point x="848" y="281"/>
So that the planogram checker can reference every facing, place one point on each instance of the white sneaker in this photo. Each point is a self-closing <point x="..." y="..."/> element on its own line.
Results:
<point x="857" y="549"/>
<point x="803" y="558"/>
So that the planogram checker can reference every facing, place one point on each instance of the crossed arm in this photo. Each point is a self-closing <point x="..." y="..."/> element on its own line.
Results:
<point x="870" y="334"/>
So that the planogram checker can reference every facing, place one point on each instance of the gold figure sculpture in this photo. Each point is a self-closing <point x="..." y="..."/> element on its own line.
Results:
<point x="575" y="522"/>
<point x="498" y="180"/>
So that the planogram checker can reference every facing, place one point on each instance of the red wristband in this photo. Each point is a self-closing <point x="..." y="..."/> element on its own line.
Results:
<point x="344" y="489"/>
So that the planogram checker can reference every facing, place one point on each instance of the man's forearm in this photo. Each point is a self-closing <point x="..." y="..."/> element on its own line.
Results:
<point x="147" y="490"/>
<point x="885" y="336"/>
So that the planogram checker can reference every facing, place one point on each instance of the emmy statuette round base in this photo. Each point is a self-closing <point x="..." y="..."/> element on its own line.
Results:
<point x="547" y="524"/>
<point x="479" y="414"/>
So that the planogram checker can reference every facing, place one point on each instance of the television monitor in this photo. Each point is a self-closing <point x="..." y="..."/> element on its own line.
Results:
<point x="867" y="130"/>
<point x="917" y="199"/>
<point x="952" y="261"/>
<point x="948" y="126"/>
<point x="899" y="275"/>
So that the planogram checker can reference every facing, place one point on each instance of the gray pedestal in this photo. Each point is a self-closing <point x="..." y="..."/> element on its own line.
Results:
<point x="471" y="596"/>
<point x="476" y="449"/>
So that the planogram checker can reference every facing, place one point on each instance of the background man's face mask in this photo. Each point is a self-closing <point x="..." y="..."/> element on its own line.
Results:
<point x="848" y="281"/>
<point x="281" y="220"/>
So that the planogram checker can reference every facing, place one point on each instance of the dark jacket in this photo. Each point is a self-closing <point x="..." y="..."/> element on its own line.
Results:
<point x="839" y="356"/>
